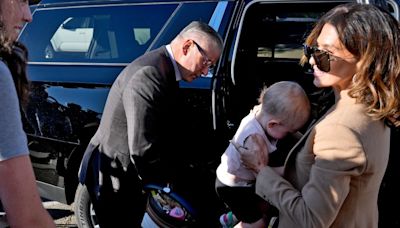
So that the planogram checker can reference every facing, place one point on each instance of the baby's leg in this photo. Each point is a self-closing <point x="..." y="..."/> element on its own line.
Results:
<point x="257" y="224"/>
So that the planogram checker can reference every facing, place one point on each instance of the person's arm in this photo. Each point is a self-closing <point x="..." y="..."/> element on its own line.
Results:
<point x="144" y="101"/>
<point x="19" y="195"/>
<point x="18" y="192"/>
<point x="336" y="158"/>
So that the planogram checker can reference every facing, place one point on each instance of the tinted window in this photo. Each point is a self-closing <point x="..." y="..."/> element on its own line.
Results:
<point x="273" y="32"/>
<point x="277" y="32"/>
<point x="186" y="13"/>
<point x="114" y="34"/>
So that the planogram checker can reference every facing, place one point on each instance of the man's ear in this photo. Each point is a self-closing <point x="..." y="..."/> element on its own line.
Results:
<point x="186" y="45"/>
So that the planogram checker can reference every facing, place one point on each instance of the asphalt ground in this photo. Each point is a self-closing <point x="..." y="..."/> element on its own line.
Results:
<point x="62" y="214"/>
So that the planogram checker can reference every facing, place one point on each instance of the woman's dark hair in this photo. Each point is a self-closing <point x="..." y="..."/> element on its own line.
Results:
<point x="16" y="58"/>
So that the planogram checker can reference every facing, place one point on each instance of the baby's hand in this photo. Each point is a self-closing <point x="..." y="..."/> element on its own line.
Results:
<point x="256" y="108"/>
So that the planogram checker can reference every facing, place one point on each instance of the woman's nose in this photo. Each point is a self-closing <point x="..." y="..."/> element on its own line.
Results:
<point x="311" y="60"/>
<point x="27" y="15"/>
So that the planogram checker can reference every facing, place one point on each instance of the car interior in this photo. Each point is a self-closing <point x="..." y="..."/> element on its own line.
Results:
<point x="269" y="49"/>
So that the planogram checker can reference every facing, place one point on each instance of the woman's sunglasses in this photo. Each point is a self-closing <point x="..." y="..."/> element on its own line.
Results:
<point x="322" y="58"/>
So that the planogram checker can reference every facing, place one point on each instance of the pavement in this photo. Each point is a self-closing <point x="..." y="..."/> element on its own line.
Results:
<point x="62" y="214"/>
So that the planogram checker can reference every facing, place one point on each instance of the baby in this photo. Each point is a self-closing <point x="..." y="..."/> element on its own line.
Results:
<point x="284" y="108"/>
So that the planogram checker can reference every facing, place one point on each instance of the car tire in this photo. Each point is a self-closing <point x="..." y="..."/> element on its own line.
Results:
<point x="83" y="208"/>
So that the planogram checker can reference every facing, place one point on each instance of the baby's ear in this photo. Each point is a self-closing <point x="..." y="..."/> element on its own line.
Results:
<point x="255" y="142"/>
<point x="272" y="123"/>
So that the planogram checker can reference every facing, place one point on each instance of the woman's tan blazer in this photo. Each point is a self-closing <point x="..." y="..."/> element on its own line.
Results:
<point x="332" y="177"/>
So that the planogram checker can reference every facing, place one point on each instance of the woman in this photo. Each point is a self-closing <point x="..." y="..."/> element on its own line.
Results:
<point x="18" y="191"/>
<point x="332" y="176"/>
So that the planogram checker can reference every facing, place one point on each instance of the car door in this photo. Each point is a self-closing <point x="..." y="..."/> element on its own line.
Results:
<point x="263" y="47"/>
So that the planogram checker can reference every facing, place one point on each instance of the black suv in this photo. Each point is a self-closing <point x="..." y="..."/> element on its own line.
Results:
<point x="77" y="48"/>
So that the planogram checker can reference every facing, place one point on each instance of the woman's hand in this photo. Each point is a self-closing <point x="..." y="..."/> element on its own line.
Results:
<point x="254" y="153"/>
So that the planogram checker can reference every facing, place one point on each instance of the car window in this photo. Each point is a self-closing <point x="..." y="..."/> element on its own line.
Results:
<point x="113" y="34"/>
<point x="271" y="34"/>
<point x="275" y="32"/>
<point x="212" y="13"/>
<point x="287" y="43"/>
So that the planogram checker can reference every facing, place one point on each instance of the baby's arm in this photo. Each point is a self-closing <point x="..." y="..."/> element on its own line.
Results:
<point x="278" y="170"/>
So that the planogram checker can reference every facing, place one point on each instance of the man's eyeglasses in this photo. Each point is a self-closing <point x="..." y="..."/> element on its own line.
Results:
<point x="206" y="61"/>
<point x="322" y="58"/>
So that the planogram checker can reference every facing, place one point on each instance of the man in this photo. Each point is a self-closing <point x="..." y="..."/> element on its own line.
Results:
<point x="134" y="142"/>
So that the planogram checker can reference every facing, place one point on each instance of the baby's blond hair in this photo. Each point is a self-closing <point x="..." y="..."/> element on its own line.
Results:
<point x="286" y="101"/>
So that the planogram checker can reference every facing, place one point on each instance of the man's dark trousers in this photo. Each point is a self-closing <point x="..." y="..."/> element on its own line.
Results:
<point x="117" y="194"/>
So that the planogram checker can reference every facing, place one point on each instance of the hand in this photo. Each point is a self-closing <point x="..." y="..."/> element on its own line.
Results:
<point x="256" y="108"/>
<point x="254" y="154"/>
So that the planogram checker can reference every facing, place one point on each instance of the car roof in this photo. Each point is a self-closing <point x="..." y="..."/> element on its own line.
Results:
<point x="43" y="2"/>
<point x="66" y="3"/>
